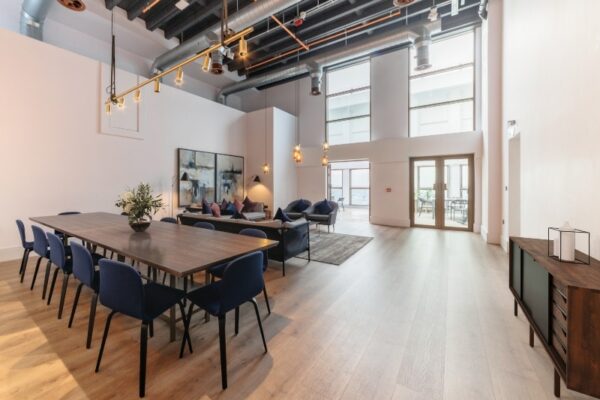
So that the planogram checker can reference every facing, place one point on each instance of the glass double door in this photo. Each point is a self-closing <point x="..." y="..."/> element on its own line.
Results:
<point x="441" y="194"/>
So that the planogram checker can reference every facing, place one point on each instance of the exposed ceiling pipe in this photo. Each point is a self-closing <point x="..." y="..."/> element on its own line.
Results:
<point x="483" y="13"/>
<point x="33" y="15"/>
<point x="247" y="16"/>
<point x="377" y="42"/>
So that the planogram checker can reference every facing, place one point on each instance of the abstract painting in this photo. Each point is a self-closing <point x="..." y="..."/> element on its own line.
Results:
<point x="196" y="177"/>
<point x="230" y="177"/>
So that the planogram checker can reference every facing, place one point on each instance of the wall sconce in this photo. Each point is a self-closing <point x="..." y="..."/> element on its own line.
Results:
<point x="512" y="129"/>
<point x="256" y="179"/>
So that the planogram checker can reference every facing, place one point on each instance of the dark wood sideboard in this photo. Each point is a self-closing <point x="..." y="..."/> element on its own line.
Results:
<point x="562" y="304"/>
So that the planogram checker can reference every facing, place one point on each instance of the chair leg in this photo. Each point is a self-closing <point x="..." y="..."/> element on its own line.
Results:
<point x="35" y="272"/>
<point x="283" y="265"/>
<point x="91" y="321"/>
<point x="22" y="272"/>
<point x="188" y="321"/>
<point x="262" y="334"/>
<point x="185" y="289"/>
<point x="143" y="349"/>
<point x="24" y="261"/>
<point x="104" y="336"/>
<point x="46" y="279"/>
<point x="77" y="293"/>
<point x="52" y="286"/>
<point x="223" y="350"/>
<point x="267" y="299"/>
<point x="237" y="320"/>
<point x="186" y="329"/>
<point x="151" y="329"/>
<point x="63" y="294"/>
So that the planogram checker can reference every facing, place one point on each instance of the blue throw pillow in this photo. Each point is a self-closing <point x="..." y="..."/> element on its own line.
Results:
<point x="206" y="208"/>
<point x="229" y="210"/>
<point x="280" y="215"/>
<point x="323" y="207"/>
<point x="301" y="205"/>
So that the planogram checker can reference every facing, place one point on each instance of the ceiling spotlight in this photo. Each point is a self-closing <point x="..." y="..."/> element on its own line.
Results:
<point x="156" y="86"/>
<point x="433" y="14"/>
<point x="206" y="63"/>
<point x="179" y="76"/>
<point x="243" y="48"/>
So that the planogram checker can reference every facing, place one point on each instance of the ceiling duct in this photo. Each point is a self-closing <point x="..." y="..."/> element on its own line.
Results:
<point x="483" y="12"/>
<point x="316" y="78"/>
<point x="422" y="45"/>
<point x="33" y="15"/>
<point x="247" y="16"/>
<point x="374" y="43"/>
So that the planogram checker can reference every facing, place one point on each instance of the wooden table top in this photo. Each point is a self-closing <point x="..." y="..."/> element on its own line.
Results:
<point x="177" y="249"/>
<point x="576" y="275"/>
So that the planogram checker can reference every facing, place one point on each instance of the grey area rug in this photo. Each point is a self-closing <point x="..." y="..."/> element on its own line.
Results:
<point x="334" y="248"/>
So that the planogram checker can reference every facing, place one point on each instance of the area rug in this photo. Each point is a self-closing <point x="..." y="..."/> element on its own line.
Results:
<point x="334" y="248"/>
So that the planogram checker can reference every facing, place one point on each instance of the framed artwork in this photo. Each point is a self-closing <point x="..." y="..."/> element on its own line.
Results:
<point x="196" y="177"/>
<point x="230" y="177"/>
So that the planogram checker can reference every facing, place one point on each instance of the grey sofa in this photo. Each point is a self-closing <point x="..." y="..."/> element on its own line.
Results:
<point x="311" y="214"/>
<point x="292" y="211"/>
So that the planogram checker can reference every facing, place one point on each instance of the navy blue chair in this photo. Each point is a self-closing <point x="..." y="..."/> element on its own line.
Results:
<point x="58" y="257"/>
<point x="169" y="220"/>
<point x="122" y="291"/>
<point x="217" y="272"/>
<point x="242" y="281"/>
<point x="40" y="247"/>
<point x="85" y="272"/>
<point x="204" y="225"/>
<point x="27" y="248"/>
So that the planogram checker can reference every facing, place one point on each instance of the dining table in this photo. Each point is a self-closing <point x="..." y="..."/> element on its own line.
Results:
<point x="178" y="250"/>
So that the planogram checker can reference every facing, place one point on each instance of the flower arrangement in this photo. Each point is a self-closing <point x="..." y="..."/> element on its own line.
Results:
<point x="140" y="205"/>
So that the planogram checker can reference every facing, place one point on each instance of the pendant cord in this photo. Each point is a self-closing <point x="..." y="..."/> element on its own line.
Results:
<point x="112" y="88"/>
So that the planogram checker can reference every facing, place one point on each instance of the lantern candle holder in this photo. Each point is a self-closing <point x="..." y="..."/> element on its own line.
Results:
<point x="562" y="245"/>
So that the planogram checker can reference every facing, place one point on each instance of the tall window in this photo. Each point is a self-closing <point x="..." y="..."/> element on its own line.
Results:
<point x="337" y="184"/>
<point x="442" y="98"/>
<point x="348" y="104"/>
<point x="359" y="187"/>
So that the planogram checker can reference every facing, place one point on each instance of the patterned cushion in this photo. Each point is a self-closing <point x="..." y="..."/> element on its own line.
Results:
<point x="249" y="205"/>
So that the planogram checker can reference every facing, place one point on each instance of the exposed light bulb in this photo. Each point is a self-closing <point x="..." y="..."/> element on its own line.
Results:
<point x="108" y="108"/>
<point x="156" y="86"/>
<point x="266" y="168"/>
<point x="137" y="96"/>
<point x="297" y="147"/>
<point x="325" y="145"/>
<point x="179" y="76"/>
<point x="324" y="160"/>
<point x="121" y="103"/>
<point x="243" y="48"/>
<point x="206" y="64"/>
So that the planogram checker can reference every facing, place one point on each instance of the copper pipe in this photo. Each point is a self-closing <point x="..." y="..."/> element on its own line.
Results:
<point x="300" y="42"/>
<point x="150" y="6"/>
<point x="327" y="38"/>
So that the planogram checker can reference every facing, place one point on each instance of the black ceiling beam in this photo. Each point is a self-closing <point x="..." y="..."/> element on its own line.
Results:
<point x="110" y="4"/>
<point x="196" y="16"/>
<point x="161" y="14"/>
<point x="136" y="9"/>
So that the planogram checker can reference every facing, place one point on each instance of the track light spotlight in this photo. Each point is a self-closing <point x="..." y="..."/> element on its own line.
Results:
<point x="156" y="86"/>
<point x="121" y="103"/>
<point x="108" y="108"/>
<point x="243" y="48"/>
<point x="179" y="76"/>
<point x="206" y="64"/>
<point x="137" y="96"/>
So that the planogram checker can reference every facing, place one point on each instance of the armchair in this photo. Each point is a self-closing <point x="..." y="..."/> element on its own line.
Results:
<point x="294" y="211"/>
<point x="312" y="214"/>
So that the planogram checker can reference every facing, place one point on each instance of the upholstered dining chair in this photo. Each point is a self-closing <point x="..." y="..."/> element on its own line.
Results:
<point x="242" y="281"/>
<point x="27" y="247"/>
<point x="217" y="271"/>
<point x="204" y="225"/>
<point x="122" y="291"/>
<point x="169" y="220"/>
<point x="40" y="247"/>
<point x="85" y="272"/>
<point x="59" y="258"/>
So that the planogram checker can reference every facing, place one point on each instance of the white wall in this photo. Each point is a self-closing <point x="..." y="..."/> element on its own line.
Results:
<point x="390" y="147"/>
<point x="285" y="189"/>
<point x="551" y="86"/>
<point x="53" y="157"/>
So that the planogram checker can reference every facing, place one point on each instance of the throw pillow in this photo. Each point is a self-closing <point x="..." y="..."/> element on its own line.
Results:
<point x="216" y="210"/>
<point x="249" y="205"/>
<point x="238" y="215"/>
<point x="224" y="204"/>
<point x="239" y="206"/>
<point x="301" y="205"/>
<point x="205" y="207"/>
<point x="229" y="210"/>
<point x="323" y="207"/>
<point x="280" y="215"/>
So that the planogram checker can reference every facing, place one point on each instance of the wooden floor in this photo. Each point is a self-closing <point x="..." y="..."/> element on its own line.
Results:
<point x="416" y="314"/>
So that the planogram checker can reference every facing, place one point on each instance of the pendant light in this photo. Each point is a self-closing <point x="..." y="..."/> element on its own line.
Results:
<point x="266" y="167"/>
<point x="325" y="158"/>
<point x="297" y="153"/>
<point x="112" y="88"/>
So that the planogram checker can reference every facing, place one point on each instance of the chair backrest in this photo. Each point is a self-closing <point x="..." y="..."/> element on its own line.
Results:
<point x="257" y="233"/>
<point x="242" y="280"/>
<point x="21" y="227"/>
<point x="204" y="225"/>
<point x="83" y="265"/>
<point x="57" y="250"/>
<point x="169" y="220"/>
<point x="121" y="288"/>
<point x="40" y="242"/>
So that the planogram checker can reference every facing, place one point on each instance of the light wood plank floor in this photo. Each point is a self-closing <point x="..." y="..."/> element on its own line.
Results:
<point x="416" y="314"/>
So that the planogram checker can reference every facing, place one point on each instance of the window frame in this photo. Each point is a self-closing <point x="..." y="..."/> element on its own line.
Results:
<point x="474" y="98"/>
<point x="331" y="187"/>
<point x="345" y="92"/>
<point x="351" y="187"/>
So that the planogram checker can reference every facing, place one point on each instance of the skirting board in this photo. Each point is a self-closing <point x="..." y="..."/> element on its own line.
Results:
<point x="11" y="253"/>
<point x="386" y="221"/>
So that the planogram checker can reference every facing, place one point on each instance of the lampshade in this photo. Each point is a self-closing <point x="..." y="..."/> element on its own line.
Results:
<point x="185" y="177"/>
<point x="256" y="179"/>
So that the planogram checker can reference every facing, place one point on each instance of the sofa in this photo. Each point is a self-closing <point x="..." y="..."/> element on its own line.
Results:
<point x="313" y="214"/>
<point x="258" y="214"/>
<point x="295" y="212"/>
<point x="293" y="237"/>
